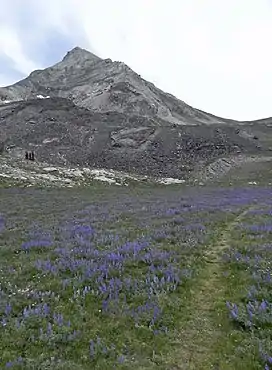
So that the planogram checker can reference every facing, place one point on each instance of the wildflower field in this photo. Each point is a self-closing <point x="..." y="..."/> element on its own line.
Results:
<point x="136" y="278"/>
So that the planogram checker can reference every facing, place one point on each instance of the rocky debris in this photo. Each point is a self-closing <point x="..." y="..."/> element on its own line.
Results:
<point x="30" y="174"/>
<point x="61" y="133"/>
<point x="219" y="168"/>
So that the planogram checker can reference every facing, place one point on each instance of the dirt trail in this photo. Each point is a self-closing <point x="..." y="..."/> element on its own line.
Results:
<point x="201" y="333"/>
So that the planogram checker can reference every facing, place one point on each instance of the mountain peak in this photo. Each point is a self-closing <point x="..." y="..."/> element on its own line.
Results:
<point x="79" y="53"/>
<point x="129" y="125"/>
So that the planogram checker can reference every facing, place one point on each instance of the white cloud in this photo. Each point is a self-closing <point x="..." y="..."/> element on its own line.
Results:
<point x="12" y="47"/>
<point x="212" y="54"/>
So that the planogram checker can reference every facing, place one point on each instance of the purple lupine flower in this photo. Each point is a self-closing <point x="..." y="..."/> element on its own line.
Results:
<point x="49" y="329"/>
<point x="233" y="308"/>
<point x="2" y="224"/>
<point x="263" y="306"/>
<point x="58" y="318"/>
<point x="121" y="359"/>
<point x="4" y="321"/>
<point x="8" y="309"/>
<point x="269" y="359"/>
<point x="92" y="348"/>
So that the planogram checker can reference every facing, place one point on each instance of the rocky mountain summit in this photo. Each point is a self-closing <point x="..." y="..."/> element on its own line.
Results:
<point x="97" y="113"/>
<point x="104" y="86"/>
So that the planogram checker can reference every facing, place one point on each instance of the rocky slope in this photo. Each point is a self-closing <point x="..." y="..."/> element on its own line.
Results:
<point x="89" y="112"/>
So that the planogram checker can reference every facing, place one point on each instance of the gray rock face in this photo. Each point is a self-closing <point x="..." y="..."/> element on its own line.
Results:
<point x="104" y="86"/>
<point x="92" y="112"/>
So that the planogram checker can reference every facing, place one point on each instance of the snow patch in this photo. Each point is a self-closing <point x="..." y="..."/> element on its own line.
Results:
<point x="50" y="169"/>
<point x="43" y="97"/>
<point x="47" y="141"/>
<point x="105" y="179"/>
<point x="170" y="180"/>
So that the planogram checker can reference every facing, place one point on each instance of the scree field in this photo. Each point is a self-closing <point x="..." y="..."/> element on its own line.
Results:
<point x="136" y="277"/>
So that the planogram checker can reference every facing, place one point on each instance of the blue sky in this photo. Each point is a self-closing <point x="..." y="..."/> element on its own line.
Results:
<point x="215" y="55"/>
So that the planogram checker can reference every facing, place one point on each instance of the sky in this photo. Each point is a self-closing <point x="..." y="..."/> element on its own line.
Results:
<point x="215" y="55"/>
